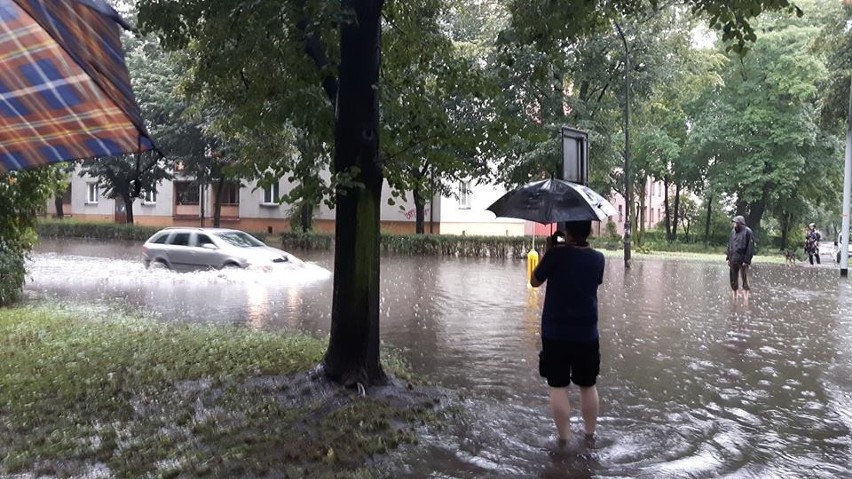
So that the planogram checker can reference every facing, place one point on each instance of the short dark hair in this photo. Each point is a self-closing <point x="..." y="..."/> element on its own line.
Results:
<point x="579" y="230"/>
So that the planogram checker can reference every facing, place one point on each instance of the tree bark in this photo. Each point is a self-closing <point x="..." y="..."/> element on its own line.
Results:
<point x="217" y="206"/>
<point x="707" y="221"/>
<point x="306" y="216"/>
<point x="419" y="211"/>
<point x="57" y="202"/>
<point x="128" y="204"/>
<point x="676" y="215"/>
<point x="669" y="235"/>
<point x="352" y="356"/>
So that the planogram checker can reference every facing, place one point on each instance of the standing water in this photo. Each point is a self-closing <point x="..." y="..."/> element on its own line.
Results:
<point x="692" y="384"/>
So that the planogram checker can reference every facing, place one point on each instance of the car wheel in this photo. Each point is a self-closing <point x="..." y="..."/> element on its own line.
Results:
<point x="159" y="264"/>
<point x="230" y="266"/>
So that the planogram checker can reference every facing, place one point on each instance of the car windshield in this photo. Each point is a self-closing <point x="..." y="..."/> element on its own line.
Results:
<point x="240" y="239"/>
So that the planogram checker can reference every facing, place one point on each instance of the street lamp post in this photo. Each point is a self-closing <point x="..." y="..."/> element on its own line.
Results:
<point x="847" y="186"/>
<point x="628" y="184"/>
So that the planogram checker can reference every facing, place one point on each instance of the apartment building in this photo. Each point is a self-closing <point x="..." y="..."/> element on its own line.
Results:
<point x="251" y="208"/>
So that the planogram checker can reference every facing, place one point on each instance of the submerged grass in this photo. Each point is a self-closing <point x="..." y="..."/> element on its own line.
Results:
<point x="131" y="397"/>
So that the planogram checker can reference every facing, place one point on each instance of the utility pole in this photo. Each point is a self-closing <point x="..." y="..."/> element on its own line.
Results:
<point x="847" y="186"/>
<point x="628" y="184"/>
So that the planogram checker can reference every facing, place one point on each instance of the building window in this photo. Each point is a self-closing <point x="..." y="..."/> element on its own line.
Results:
<point x="186" y="193"/>
<point x="620" y="214"/>
<point x="271" y="194"/>
<point x="231" y="193"/>
<point x="464" y="195"/>
<point x="92" y="193"/>
<point x="149" y="198"/>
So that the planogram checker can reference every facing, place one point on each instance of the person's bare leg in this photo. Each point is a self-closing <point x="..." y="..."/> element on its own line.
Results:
<point x="560" y="406"/>
<point x="589" y="406"/>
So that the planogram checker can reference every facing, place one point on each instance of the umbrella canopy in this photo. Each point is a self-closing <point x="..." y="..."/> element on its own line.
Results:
<point x="553" y="201"/>
<point x="64" y="87"/>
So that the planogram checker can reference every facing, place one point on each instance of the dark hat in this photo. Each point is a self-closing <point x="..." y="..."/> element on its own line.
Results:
<point x="738" y="219"/>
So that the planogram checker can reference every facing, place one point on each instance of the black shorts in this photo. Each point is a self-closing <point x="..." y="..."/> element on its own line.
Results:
<point x="564" y="362"/>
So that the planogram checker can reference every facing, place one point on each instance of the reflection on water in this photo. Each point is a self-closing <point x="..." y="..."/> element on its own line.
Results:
<point x="692" y="383"/>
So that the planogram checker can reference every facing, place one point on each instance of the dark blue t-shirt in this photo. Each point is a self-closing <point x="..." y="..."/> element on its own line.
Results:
<point x="571" y="301"/>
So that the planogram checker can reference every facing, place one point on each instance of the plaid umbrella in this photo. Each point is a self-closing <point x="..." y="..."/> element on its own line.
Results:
<point x="64" y="88"/>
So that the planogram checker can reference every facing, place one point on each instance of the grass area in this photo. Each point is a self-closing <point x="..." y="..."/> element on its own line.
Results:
<point x="692" y="256"/>
<point x="132" y="397"/>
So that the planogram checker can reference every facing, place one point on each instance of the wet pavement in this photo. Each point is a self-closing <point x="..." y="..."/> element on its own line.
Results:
<point x="692" y="383"/>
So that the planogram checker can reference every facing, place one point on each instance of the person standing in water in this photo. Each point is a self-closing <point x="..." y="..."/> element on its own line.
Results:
<point x="738" y="255"/>
<point x="812" y="238"/>
<point x="569" y="326"/>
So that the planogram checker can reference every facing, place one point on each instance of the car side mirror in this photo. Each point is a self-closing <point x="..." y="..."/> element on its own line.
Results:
<point x="209" y="246"/>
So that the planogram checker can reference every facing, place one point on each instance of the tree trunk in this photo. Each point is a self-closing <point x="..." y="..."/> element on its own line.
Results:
<point x="353" y="351"/>
<point x="676" y="213"/>
<point x="306" y="216"/>
<point x="128" y="204"/>
<point x="786" y="220"/>
<point x="419" y="211"/>
<point x="57" y="202"/>
<point x="669" y="235"/>
<point x="639" y="216"/>
<point x="217" y="206"/>
<point x="707" y="221"/>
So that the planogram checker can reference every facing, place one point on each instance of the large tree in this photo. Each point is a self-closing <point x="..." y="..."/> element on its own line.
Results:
<point x="760" y="125"/>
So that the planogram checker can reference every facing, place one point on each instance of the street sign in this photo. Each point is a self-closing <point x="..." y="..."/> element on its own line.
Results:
<point x="575" y="155"/>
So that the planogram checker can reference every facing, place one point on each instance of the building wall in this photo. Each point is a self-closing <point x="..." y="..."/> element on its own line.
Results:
<point x="655" y="195"/>
<point x="453" y="214"/>
<point x="469" y="215"/>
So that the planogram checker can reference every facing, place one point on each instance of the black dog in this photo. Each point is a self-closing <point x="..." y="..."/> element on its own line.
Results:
<point x="790" y="256"/>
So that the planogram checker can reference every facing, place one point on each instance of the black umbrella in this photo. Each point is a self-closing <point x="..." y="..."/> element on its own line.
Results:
<point x="553" y="201"/>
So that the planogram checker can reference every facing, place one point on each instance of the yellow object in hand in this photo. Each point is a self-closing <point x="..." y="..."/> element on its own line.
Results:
<point x="532" y="262"/>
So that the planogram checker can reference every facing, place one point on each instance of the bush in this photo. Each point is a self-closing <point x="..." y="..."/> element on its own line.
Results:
<point x="94" y="230"/>
<point x="429" y="245"/>
<point x="12" y="276"/>
<point x="23" y="195"/>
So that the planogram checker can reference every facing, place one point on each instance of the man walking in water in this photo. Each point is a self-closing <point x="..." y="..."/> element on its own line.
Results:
<point x="569" y="326"/>
<point x="739" y="253"/>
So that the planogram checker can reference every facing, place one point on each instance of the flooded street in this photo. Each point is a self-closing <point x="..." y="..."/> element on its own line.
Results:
<point x="691" y="385"/>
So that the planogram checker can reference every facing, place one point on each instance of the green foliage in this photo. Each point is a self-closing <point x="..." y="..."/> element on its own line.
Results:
<point x="23" y="195"/>
<point x="612" y="231"/>
<point x="12" y="276"/>
<point x="760" y="126"/>
<point x="103" y="231"/>
<point x="306" y="240"/>
<point x="457" y="245"/>
<point x="94" y="230"/>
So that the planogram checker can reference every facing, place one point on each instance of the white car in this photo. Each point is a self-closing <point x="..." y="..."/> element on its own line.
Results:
<point x="838" y="248"/>
<point x="206" y="248"/>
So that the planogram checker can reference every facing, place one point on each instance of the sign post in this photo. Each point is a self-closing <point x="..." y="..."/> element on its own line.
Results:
<point x="575" y="155"/>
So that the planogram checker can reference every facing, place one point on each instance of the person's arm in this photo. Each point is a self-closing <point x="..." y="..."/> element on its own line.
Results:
<point x="728" y="249"/>
<point x="534" y="282"/>
<point x="749" y="247"/>
<point x="540" y="271"/>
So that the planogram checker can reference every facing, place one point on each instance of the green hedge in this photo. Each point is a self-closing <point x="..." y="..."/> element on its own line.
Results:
<point x="94" y="230"/>
<point x="12" y="276"/>
<point x="101" y="230"/>
<point x="429" y="245"/>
